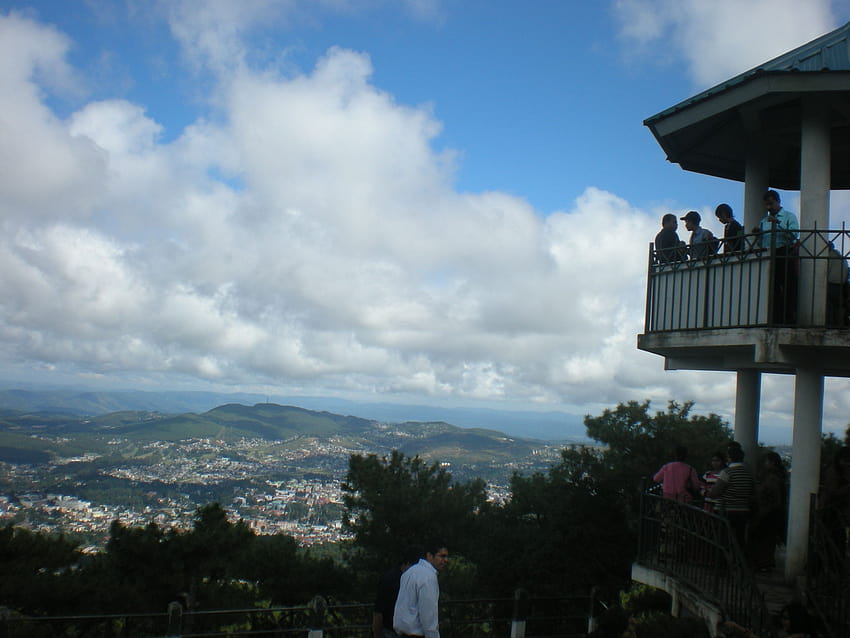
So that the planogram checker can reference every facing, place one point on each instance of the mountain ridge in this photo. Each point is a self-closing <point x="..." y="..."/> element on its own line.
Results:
<point x="552" y="426"/>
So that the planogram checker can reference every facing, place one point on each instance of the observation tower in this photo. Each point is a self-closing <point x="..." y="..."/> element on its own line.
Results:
<point x="782" y="125"/>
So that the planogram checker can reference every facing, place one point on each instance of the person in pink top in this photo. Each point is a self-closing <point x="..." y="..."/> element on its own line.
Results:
<point x="679" y="481"/>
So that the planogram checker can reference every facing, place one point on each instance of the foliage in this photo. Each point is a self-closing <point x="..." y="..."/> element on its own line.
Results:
<point x="561" y="531"/>
<point x="398" y="501"/>
<point x="33" y="566"/>
<point x="639" y="443"/>
<point x="651" y="609"/>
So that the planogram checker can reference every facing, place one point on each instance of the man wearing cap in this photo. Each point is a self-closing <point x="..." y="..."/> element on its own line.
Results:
<point x="703" y="243"/>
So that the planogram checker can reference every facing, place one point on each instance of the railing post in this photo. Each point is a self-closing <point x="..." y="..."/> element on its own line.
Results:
<point x="317" y="607"/>
<point x="591" y="614"/>
<point x="175" y="620"/>
<point x="520" y="616"/>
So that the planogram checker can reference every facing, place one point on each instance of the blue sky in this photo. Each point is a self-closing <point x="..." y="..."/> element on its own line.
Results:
<point x="424" y="201"/>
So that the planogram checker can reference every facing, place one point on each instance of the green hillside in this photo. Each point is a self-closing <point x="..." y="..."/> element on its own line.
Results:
<point x="32" y="436"/>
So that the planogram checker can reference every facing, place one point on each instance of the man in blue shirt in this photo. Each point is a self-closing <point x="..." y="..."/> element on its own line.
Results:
<point x="416" y="608"/>
<point x="779" y="231"/>
<point x="779" y="227"/>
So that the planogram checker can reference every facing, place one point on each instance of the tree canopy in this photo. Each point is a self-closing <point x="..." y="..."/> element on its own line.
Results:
<point x="561" y="531"/>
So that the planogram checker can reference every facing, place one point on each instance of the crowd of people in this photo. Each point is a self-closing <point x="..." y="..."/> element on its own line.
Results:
<point x="779" y="232"/>
<point x="754" y="500"/>
<point x="756" y="510"/>
<point x="778" y="229"/>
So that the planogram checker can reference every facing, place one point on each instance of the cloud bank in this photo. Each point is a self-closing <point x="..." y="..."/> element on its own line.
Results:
<point x="305" y="235"/>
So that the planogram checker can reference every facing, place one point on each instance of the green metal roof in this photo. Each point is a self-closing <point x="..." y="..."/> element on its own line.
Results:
<point x="830" y="52"/>
<point x="715" y="131"/>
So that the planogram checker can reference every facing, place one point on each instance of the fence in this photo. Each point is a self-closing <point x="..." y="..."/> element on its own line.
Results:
<point x="700" y="550"/>
<point x="828" y="571"/>
<point x="752" y="286"/>
<point x="523" y="615"/>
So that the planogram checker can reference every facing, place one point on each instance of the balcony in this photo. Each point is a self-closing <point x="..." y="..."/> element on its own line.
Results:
<point x="756" y="307"/>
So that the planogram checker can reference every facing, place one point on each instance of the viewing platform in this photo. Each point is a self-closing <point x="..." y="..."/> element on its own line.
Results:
<point x="724" y="312"/>
<point x="758" y="309"/>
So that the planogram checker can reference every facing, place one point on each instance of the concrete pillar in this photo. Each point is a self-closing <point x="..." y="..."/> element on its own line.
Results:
<point x="756" y="169"/>
<point x="756" y="183"/>
<point x="814" y="208"/>
<point x="805" y="467"/>
<point x="747" y="401"/>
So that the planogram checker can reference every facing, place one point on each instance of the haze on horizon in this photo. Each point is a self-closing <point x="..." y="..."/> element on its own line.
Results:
<point x="424" y="202"/>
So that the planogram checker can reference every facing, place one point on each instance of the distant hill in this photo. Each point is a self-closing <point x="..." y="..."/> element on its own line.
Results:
<point x="548" y="426"/>
<point x="31" y="435"/>
<point x="234" y="421"/>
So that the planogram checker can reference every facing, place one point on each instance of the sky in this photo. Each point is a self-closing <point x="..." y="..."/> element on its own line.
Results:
<point x="436" y="202"/>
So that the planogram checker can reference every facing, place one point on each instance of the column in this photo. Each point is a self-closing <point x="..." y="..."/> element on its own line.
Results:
<point x="814" y="208"/>
<point x="756" y="169"/>
<point x="805" y="467"/>
<point x="756" y="183"/>
<point x="747" y="401"/>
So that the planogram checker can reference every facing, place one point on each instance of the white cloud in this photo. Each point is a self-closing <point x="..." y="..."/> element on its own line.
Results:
<point x="308" y="235"/>
<point x="45" y="169"/>
<point x="720" y="39"/>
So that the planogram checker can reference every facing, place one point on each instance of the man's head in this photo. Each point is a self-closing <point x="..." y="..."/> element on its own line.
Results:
<point x="736" y="453"/>
<point x="772" y="202"/>
<point x="723" y="212"/>
<point x="691" y="219"/>
<point x="669" y="221"/>
<point x="437" y="554"/>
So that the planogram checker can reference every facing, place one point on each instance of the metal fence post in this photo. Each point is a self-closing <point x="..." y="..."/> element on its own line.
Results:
<point x="175" y="620"/>
<point x="317" y="608"/>
<point x="521" y="605"/>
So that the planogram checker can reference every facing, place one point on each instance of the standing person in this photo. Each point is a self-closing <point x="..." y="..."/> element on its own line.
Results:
<point x="734" y="488"/>
<point x="668" y="246"/>
<point x="779" y="230"/>
<point x="733" y="232"/>
<point x="767" y="526"/>
<point x="679" y="480"/>
<point x="703" y="243"/>
<point x="382" y="615"/>
<point x="718" y="462"/>
<point x="416" y="610"/>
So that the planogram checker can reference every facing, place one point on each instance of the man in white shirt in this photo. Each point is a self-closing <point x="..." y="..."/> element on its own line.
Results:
<point x="416" y="608"/>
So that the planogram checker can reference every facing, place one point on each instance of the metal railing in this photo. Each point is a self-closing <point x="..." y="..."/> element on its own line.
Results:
<point x="699" y="549"/>
<point x="561" y="616"/>
<point x="752" y="286"/>
<point x="828" y="570"/>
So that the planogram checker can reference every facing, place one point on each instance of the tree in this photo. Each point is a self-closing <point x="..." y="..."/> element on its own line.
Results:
<point x="140" y="569"/>
<point x="638" y="443"/>
<point x="34" y="565"/>
<point x="394" y="502"/>
<point x="575" y="527"/>
<point x="563" y="531"/>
